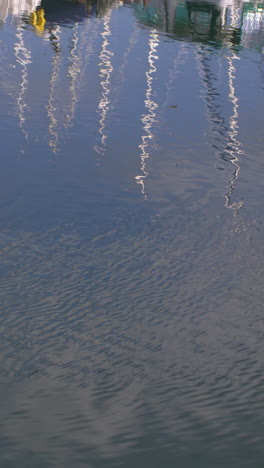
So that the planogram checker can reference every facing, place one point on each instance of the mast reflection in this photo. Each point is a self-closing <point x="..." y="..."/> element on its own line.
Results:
<point x="51" y="107"/>
<point x="73" y="72"/>
<point x="224" y="135"/>
<point x="81" y="51"/>
<point x="151" y="107"/>
<point x="23" y="58"/>
<point x="203" y="26"/>
<point x="235" y="146"/>
<point x="105" y="71"/>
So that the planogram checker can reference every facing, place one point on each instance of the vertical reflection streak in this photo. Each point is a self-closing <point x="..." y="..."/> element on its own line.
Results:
<point x="151" y="107"/>
<point x="105" y="71"/>
<point x="51" y="108"/>
<point x="80" y="55"/>
<point x="216" y="121"/>
<point x="23" y="58"/>
<point x="235" y="15"/>
<point x="73" y="71"/>
<point x="224" y="136"/>
<point x="234" y="148"/>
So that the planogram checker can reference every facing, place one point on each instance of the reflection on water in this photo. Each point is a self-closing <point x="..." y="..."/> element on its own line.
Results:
<point x="131" y="298"/>
<point x="229" y="24"/>
<point x="234" y="147"/>
<point x="53" y="122"/>
<point x="105" y="67"/>
<point x="231" y="150"/>
<point x="17" y="8"/>
<point x="74" y="70"/>
<point x="23" y="58"/>
<point x="37" y="19"/>
<point x="151" y="106"/>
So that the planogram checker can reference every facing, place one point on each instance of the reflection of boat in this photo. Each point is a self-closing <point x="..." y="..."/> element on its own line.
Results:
<point x="64" y="12"/>
<point x="17" y="7"/>
<point x="37" y="19"/>
<point x="214" y="24"/>
<point x="67" y="11"/>
<point x="217" y="22"/>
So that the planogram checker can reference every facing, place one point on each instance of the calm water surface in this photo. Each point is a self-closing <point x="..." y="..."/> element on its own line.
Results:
<point x="131" y="235"/>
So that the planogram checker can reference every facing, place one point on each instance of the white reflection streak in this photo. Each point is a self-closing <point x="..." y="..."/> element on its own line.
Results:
<point x="218" y="128"/>
<point x="80" y="54"/>
<point x="106" y="69"/>
<point x="234" y="149"/>
<point x="73" y="72"/>
<point x="235" y="15"/>
<point x="53" y="125"/>
<point x="151" y="107"/>
<point x="23" y="57"/>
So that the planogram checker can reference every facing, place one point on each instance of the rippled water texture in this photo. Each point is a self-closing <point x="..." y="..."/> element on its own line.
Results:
<point x="131" y="235"/>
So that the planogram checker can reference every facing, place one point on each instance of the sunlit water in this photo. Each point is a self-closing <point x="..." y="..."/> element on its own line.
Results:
<point x="131" y="234"/>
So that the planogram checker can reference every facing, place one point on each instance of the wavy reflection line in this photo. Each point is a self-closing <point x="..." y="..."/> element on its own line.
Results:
<point x="23" y="58"/>
<point x="79" y="58"/>
<point x="224" y="136"/>
<point x="217" y="123"/>
<point x="233" y="148"/>
<point x="234" y="145"/>
<point x="51" y="107"/>
<point x="235" y="15"/>
<point x="105" y="71"/>
<point x="73" y="72"/>
<point x="151" y="107"/>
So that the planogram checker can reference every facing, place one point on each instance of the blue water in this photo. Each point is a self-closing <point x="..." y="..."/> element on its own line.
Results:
<point x="131" y="235"/>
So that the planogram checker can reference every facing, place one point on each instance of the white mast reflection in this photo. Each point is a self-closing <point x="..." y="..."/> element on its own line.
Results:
<point x="81" y="52"/>
<point x="17" y="7"/>
<point x="221" y="131"/>
<point x="234" y="149"/>
<point x="106" y="69"/>
<point x="23" y="58"/>
<point x="151" y="107"/>
<point x="73" y="72"/>
<point x="234" y="146"/>
<point x="51" y="108"/>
